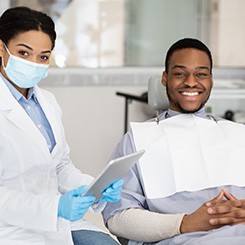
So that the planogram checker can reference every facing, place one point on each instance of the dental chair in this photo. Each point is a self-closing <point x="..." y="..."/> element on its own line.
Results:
<point x="157" y="97"/>
<point x="157" y="100"/>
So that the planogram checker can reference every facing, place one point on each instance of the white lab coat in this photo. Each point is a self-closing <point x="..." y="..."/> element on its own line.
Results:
<point x="31" y="177"/>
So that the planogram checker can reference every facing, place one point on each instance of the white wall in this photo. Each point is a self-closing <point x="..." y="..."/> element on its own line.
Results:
<point x="93" y="115"/>
<point x="94" y="120"/>
<point x="227" y="32"/>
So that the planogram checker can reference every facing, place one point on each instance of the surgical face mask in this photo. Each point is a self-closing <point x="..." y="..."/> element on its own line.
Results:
<point x="24" y="73"/>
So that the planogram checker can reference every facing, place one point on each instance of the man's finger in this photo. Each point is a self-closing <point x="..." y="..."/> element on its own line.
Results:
<point x="215" y="199"/>
<point x="228" y="195"/>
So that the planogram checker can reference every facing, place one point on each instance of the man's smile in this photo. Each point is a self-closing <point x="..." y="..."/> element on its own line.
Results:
<point x="190" y="93"/>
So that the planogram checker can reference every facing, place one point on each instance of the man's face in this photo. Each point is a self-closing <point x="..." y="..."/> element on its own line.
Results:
<point x="188" y="81"/>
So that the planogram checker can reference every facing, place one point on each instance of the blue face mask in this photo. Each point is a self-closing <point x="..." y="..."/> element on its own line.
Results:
<point x="24" y="73"/>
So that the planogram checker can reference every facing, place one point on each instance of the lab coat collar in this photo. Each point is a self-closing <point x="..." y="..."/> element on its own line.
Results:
<point x="7" y="100"/>
<point x="18" y="96"/>
<point x="13" y="111"/>
<point x="12" y="89"/>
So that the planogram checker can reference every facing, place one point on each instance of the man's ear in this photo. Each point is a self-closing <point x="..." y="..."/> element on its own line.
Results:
<point x="212" y="81"/>
<point x="164" y="78"/>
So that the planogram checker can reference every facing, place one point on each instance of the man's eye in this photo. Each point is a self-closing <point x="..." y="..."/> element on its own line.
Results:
<point x="179" y="74"/>
<point x="202" y="75"/>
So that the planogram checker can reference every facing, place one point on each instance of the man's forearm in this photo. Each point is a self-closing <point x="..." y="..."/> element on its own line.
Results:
<point x="143" y="225"/>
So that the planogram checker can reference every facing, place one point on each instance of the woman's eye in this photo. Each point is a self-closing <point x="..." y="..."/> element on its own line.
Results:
<point x="44" y="57"/>
<point x="23" y="53"/>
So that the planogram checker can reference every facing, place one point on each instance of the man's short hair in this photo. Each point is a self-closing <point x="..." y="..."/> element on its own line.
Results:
<point x="188" y="43"/>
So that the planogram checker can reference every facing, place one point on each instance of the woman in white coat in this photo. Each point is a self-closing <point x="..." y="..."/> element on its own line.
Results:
<point x="40" y="189"/>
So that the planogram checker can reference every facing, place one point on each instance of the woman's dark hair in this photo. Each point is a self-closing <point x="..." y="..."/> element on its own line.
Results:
<point x="188" y="43"/>
<point x="17" y="20"/>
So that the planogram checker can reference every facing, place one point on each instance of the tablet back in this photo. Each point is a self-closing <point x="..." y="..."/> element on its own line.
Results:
<point x="115" y="170"/>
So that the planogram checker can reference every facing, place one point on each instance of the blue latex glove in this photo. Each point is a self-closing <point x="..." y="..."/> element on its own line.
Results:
<point x="73" y="206"/>
<point x="113" y="192"/>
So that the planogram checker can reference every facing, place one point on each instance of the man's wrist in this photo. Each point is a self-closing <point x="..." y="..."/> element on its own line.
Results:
<point x="184" y="227"/>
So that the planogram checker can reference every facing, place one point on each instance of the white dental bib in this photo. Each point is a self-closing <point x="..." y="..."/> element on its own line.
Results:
<point x="189" y="153"/>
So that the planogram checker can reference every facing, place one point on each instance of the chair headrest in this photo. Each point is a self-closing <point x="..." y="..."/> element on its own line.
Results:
<point x="157" y="97"/>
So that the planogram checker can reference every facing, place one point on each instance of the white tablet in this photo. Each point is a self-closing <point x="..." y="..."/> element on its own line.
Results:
<point x="115" y="170"/>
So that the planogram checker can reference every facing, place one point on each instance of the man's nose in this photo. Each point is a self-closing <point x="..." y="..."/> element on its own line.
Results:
<point x="190" y="81"/>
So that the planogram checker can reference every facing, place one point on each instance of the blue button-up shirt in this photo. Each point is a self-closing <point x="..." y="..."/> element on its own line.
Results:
<point x="34" y="111"/>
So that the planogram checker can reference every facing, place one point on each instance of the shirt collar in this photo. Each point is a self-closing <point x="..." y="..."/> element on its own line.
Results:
<point x="200" y="113"/>
<point x="171" y="113"/>
<point x="17" y="95"/>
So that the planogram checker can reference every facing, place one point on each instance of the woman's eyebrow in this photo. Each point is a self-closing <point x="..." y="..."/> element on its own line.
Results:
<point x="28" y="47"/>
<point x="24" y="45"/>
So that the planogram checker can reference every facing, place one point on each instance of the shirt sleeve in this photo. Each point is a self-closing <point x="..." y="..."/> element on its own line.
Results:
<point x="127" y="218"/>
<point x="143" y="225"/>
<point x="132" y="194"/>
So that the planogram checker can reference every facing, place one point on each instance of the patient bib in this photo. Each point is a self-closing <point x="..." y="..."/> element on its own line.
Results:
<point x="189" y="153"/>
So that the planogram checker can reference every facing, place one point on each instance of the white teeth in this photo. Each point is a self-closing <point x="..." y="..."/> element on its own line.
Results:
<point x="190" y="93"/>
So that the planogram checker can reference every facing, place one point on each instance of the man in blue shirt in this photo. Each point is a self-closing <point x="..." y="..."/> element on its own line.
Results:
<point x="189" y="186"/>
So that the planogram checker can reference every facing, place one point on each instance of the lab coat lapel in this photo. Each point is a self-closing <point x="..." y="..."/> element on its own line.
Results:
<point x="49" y="111"/>
<point x="12" y="110"/>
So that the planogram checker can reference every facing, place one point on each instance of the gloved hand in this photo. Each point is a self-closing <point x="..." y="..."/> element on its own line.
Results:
<point x="73" y="206"/>
<point x="113" y="192"/>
